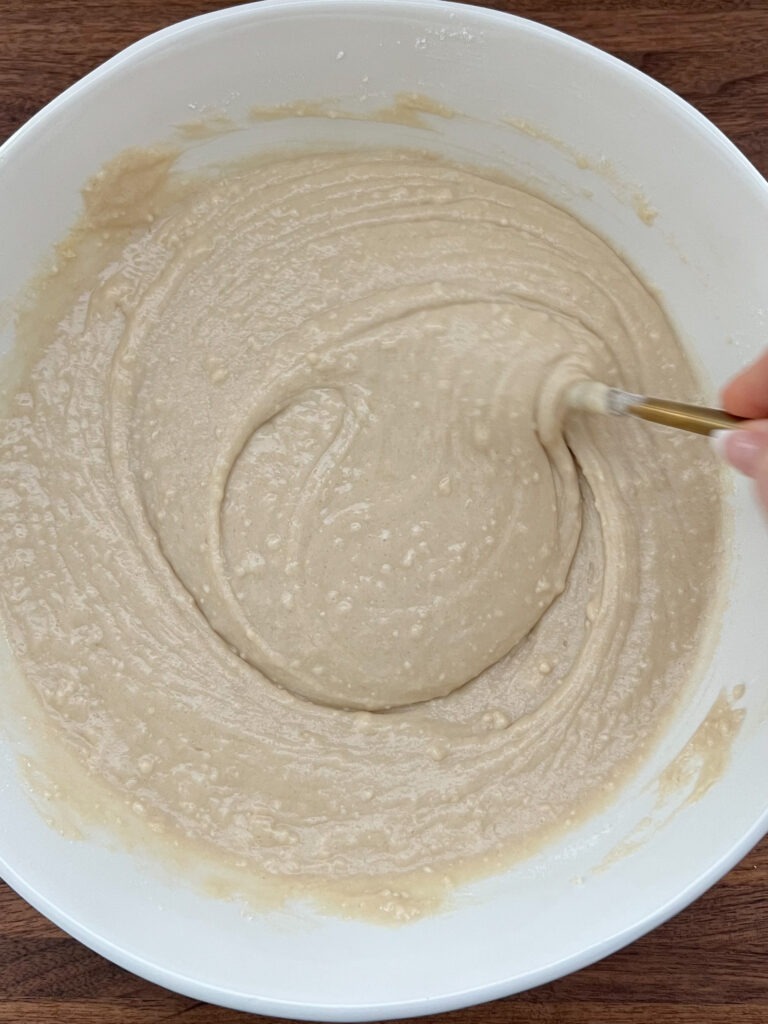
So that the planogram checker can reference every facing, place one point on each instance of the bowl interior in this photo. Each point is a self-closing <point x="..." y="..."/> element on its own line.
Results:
<point x="666" y="189"/>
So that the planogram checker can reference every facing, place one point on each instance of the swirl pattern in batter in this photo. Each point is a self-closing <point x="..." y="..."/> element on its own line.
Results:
<point x="300" y="551"/>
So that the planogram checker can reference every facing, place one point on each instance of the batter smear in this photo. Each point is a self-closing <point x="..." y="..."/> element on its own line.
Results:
<point x="300" y="552"/>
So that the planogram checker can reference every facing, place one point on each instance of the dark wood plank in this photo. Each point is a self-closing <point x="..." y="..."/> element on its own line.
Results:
<point x="709" y="965"/>
<point x="710" y="51"/>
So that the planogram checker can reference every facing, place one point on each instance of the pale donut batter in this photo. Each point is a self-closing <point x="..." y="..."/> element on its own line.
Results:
<point x="294" y="551"/>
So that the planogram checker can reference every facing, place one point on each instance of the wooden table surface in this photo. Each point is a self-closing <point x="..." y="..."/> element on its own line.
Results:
<point x="709" y="965"/>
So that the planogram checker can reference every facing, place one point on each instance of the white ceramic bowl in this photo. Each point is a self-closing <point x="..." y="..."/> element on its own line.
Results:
<point x="605" y="142"/>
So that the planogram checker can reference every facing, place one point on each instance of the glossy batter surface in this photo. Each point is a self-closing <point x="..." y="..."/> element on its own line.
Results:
<point x="299" y="550"/>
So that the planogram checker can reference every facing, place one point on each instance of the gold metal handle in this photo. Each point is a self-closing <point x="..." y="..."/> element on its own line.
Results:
<point x="694" y="418"/>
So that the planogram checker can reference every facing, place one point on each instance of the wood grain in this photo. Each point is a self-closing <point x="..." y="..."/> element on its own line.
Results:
<point x="709" y="965"/>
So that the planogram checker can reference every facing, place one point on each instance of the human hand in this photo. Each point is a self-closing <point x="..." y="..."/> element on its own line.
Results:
<point x="747" y="449"/>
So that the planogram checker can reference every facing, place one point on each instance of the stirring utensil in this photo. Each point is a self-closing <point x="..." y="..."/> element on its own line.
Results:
<point x="592" y="396"/>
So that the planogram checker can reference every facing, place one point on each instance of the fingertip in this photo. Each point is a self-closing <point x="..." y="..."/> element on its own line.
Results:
<point x="761" y="480"/>
<point x="745" y="450"/>
<point x="747" y="394"/>
<point x="730" y="397"/>
<point x="717" y="440"/>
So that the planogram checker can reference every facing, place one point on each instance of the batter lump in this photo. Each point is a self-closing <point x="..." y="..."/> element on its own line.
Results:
<point x="301" y="552"/>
